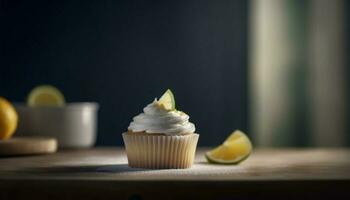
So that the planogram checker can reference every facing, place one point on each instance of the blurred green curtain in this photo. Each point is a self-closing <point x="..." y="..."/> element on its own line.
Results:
<point x="297" y="78"/>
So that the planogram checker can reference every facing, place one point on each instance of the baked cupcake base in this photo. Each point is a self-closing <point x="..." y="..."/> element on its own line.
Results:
<point x="160" y="151"/>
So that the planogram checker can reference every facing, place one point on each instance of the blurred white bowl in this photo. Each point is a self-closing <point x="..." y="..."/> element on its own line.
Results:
<point x="73" y="125"/>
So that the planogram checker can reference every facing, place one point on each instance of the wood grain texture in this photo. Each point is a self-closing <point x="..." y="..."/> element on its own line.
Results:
<point x="27" y="146"/>
<point x="90" y="173"/>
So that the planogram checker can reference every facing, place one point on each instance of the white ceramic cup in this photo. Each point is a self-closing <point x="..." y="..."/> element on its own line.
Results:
<point x="73" y="125"/>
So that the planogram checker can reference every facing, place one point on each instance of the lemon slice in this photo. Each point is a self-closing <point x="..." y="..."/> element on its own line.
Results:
<point x="45" y="95"/>
<point x="236" y="148"/>
<point x="167" y="100"/>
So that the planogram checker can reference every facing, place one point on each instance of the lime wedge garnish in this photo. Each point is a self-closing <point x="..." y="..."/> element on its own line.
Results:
<point x="167" y="100"/>
<point x="45" y="95"/>
<point x="236" y="148"/>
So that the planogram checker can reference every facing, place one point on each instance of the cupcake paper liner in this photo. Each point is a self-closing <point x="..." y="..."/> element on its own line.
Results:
<point x="160" y="151"/>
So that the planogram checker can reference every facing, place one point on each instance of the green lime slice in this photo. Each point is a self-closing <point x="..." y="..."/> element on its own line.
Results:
<point x="45" y="95"/>
<point x="167" y="100"/>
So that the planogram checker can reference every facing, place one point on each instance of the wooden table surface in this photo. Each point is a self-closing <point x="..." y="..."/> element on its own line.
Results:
<point x="90" y="173"/>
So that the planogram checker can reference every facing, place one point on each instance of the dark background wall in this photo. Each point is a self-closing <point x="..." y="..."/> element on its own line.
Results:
<point x="123" y="54"/>
<point x="347" y="63"/>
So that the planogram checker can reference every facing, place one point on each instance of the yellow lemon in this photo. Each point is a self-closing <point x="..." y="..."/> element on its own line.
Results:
<point x="8" y="119"/>
<point x="236" y="148"/>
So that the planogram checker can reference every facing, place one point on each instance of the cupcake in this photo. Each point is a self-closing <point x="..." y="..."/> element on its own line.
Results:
<point x="161" y="137"/>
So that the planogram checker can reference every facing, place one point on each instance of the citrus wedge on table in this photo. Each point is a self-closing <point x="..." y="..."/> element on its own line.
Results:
<point x="45" y="95"/>
<point x="8" y="119"/>
<point x="167" y="100"/>
<point x="236" y="148"/>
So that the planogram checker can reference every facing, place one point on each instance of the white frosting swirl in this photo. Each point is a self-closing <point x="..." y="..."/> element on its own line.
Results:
<point x="156" y="119"/>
